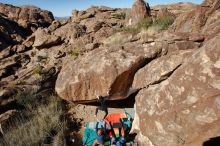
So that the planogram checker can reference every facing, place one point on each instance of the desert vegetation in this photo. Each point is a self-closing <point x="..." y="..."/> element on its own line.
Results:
<point x="119" y="16"/>
<point x="38" y="122"/>
<point x="75" y="52"/>
<point x="159" y="23"/>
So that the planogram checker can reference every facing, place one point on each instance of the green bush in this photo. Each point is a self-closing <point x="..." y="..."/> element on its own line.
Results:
<point x="42" y="59"/>
<point x="143" y="24"/>
<point x="117" y="39"/>
<point x="75" y="52"/>
<point x="129" y="29"/>
<point x="21" y="82"/>
<point x="163" y="22"/>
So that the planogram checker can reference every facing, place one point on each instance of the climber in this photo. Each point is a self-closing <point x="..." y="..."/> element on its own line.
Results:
<point x="103" y="105"/>
<point x="100" y="136"/>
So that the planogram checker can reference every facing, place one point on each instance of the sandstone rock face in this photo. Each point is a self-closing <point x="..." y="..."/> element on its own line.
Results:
<point x="27" y="16"/>
<point x="139" y="11"/>
<point x="177" y="110"/>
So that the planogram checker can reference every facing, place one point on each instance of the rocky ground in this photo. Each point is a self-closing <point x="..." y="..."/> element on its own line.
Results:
<point x="171" y="72"/>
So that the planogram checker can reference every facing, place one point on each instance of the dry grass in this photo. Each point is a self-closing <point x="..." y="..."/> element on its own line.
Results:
<point x="38" y="70"/>
<point x="37" y="126"/>
<point x="117" y="39"/>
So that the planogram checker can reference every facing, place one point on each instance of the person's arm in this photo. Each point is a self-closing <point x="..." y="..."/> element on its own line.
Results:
<point x="96" y="127"/>
<point x="102" y="98"/>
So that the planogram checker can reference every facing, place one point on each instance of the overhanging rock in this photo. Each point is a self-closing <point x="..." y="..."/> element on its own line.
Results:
<point x="100" y="71"/>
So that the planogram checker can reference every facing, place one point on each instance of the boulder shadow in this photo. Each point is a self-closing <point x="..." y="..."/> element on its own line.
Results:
<point x="215" y="141"/>
<point x="123" y="103"/>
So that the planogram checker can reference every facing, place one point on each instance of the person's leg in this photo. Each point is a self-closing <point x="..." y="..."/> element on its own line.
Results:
<point x="106" y="112"/>
<point x="96" y="111"/>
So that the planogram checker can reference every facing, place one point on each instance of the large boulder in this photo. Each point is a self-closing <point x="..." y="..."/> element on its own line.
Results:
<point x="45" y="40"/>
<point x="102" y="70"/>
<point x="70" y="31"/>
<point x="139" y="11"/>
<point x="177" y="109"/>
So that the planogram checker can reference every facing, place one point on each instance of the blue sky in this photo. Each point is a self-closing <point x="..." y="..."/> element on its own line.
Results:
<point x="65" y="7"/>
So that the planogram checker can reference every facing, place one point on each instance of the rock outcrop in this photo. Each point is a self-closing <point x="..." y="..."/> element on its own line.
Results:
<point x="32" y="61"/>
<point x="11" y="33"/>
<point x="204" y="19"/>
<point x="30" y="17"/>
<point x="139" y="11"/>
